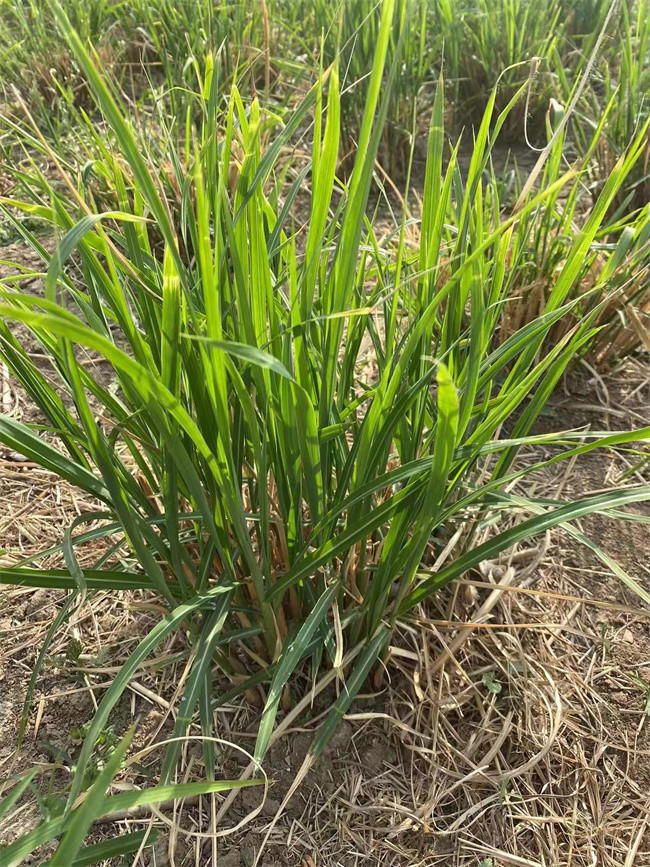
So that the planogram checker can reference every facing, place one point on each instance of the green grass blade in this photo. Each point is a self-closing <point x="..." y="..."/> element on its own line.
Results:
<point x="121" y="846"/>
<point x="91" y="808"/>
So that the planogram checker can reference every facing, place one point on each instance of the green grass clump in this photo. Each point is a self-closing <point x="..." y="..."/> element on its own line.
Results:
<point x="504" y="43"/>
<point x="299" y="419"/>
<point x="348" y="31"/>
<point x="150" y="49"/>
<point x="612" y="282"/>
<point x="274" y="48"/>
<point x="40" y="66"/>
<point x="619" y="85"/>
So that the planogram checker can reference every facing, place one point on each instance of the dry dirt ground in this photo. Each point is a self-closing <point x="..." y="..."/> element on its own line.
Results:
<point x="511" y="725"/>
